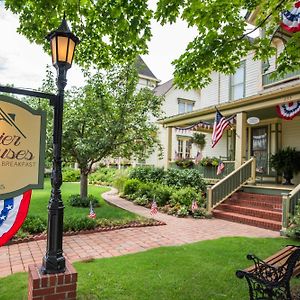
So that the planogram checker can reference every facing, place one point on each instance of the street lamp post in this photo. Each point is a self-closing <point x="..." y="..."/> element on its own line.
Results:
<point x="63" y="43"/>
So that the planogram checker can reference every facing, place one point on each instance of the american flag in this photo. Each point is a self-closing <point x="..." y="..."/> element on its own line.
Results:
<point x="220" y="125"/>
<point x="92" y="214"/>
<point x="154" y="208"/>
<point x="220" y="167"/>
<point x="198" y="157"/>
<point x="194" y="205"/>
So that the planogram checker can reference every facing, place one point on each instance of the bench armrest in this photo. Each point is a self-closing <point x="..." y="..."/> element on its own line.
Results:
<point x="261" y="271"/>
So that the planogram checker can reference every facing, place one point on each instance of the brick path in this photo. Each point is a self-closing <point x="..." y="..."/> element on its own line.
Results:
<point x="15" y="258"/>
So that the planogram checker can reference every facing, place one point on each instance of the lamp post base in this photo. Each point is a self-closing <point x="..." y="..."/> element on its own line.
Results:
<point x="52" y="286"/>
<point x="52" y="265"/>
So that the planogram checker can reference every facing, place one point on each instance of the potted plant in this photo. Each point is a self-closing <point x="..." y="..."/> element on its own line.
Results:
<point x="287" y="163"/>
<point x="199" y="140"/>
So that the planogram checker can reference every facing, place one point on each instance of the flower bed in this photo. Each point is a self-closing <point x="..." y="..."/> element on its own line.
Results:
<point x="176" y="192"/>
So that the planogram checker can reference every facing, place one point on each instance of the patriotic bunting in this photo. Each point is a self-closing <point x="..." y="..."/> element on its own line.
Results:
<point x="201" y="124"/>
<point x="13" y="212"/>
<point x="289" y="110"/>
<point x="291" y="19"/>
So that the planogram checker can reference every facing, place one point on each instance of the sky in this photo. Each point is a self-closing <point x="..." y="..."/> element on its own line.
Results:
<point x="23" y="64"/>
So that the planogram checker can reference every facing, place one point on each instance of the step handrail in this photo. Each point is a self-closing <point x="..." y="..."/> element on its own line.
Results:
<point x="289" y="202"/>
<point x="231" y="183"/>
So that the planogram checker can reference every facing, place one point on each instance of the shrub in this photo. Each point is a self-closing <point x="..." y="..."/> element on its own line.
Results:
<point x="294" y="230"/>
<point x="77" y="201"/>
<point x="71" y="175"/>
<point x="33" y="224"/>
<point x="145" y="190"/>
<point x="141" y="201"/>
<point x="185" y="178"/>
<point x="201" y="213"/>
<point x="182" y="211"/>
<point x="79" y="223"/>
<point x="131" y="186"/>
<point x="184" y="196"/>
<point x="104" y="176"/>
<point x="119" y="180"/>
<point x="147" y="174"/>
<point x="162" y="194"/>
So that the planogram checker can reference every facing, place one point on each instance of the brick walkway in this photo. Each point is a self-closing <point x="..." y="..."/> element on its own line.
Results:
<point x="15" y="258"/>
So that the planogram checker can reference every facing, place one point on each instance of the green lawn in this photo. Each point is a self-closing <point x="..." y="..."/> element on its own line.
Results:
<point x="202" y="271"/>
<point x="40" y="198"/>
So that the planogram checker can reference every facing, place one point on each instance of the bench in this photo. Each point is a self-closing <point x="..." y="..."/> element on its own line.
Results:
<point x="270" y="278"/>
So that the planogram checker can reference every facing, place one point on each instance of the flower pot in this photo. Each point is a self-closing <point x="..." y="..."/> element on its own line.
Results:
<point x="288" y="175"/>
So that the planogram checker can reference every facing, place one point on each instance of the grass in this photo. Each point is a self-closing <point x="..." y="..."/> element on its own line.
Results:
<point x="204" y="271"/>
<point x="40" y="198"/>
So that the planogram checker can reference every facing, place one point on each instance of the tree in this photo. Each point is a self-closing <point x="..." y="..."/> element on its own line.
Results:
<point x="110" y="31"/>
<point x="108" y="117"/>
<point x="115" y="30"/>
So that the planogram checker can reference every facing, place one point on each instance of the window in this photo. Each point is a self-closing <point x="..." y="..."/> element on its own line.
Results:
<point x="184" y="147"/>
<point x="188" y="148"/>
<point x="180" y="149"/>
<point x="237" y="83"/>
<point x="185" y="106"/>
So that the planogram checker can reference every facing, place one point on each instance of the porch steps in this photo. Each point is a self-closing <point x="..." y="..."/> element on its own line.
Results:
<point x="253" y="209"/>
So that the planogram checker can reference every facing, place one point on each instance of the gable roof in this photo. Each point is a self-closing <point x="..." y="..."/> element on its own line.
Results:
<point x="162" y="89"/>
<point x="143" y="69"/>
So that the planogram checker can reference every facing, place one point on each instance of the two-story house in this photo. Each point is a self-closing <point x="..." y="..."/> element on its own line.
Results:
<point x="176" y="102"/>
<point x="253" y="96"/>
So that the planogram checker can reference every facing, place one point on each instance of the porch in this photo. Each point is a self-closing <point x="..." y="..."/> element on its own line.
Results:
<point x="250" y="146"/>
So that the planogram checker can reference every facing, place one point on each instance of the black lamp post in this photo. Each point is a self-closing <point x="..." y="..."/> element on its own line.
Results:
<point x="63" y="43"/>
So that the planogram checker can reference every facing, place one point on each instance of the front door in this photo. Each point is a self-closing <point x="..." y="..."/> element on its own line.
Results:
<point x="259" y="148"/>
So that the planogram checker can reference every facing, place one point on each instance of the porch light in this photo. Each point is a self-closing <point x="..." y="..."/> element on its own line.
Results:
<point x="63" y="43"/>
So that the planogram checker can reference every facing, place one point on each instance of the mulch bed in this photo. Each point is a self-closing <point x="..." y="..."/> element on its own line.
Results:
<point x="43" y="236"/>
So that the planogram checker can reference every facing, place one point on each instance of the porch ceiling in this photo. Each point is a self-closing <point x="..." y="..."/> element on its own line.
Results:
<point x="262" y="106"/>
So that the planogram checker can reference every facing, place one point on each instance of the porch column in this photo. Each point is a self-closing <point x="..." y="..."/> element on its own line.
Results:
<point x="240" y="143"/>
<point x="168" y="156"/>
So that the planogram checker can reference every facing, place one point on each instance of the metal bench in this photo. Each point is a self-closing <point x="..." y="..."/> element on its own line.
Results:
<point x="270" y="278"/>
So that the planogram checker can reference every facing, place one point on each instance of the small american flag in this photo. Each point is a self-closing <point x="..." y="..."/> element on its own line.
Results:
<point x="194" y="205"/>
<point x="154" y="208"/>
<point x="92" y="214"/>
<point x="198" y="157"/>
<point x="220" y="167"/>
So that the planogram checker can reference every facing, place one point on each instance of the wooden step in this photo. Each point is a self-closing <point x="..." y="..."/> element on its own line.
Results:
<point x="252" y="211"/>
<point x="249" y="220"/>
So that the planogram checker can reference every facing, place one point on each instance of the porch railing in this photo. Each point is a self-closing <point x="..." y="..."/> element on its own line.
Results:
<point x="289" y="202"/>
<point x="210" y="173"/>
<point x="231" y="183"/>
<point x="267" y="79"/>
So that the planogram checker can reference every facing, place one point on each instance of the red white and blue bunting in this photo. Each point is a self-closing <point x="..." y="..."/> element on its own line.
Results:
<point x="13" y="212"/>
<point x="201" y="124"/>
<point x="289" y="110"/>
<point x="291" y="19"/>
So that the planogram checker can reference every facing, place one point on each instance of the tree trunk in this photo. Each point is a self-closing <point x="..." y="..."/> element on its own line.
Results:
<point x="83" y="184"/>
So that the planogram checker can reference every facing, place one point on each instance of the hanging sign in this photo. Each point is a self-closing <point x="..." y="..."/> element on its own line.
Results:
<point x="289" y="110"/>
<point x="22" y="147"/>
